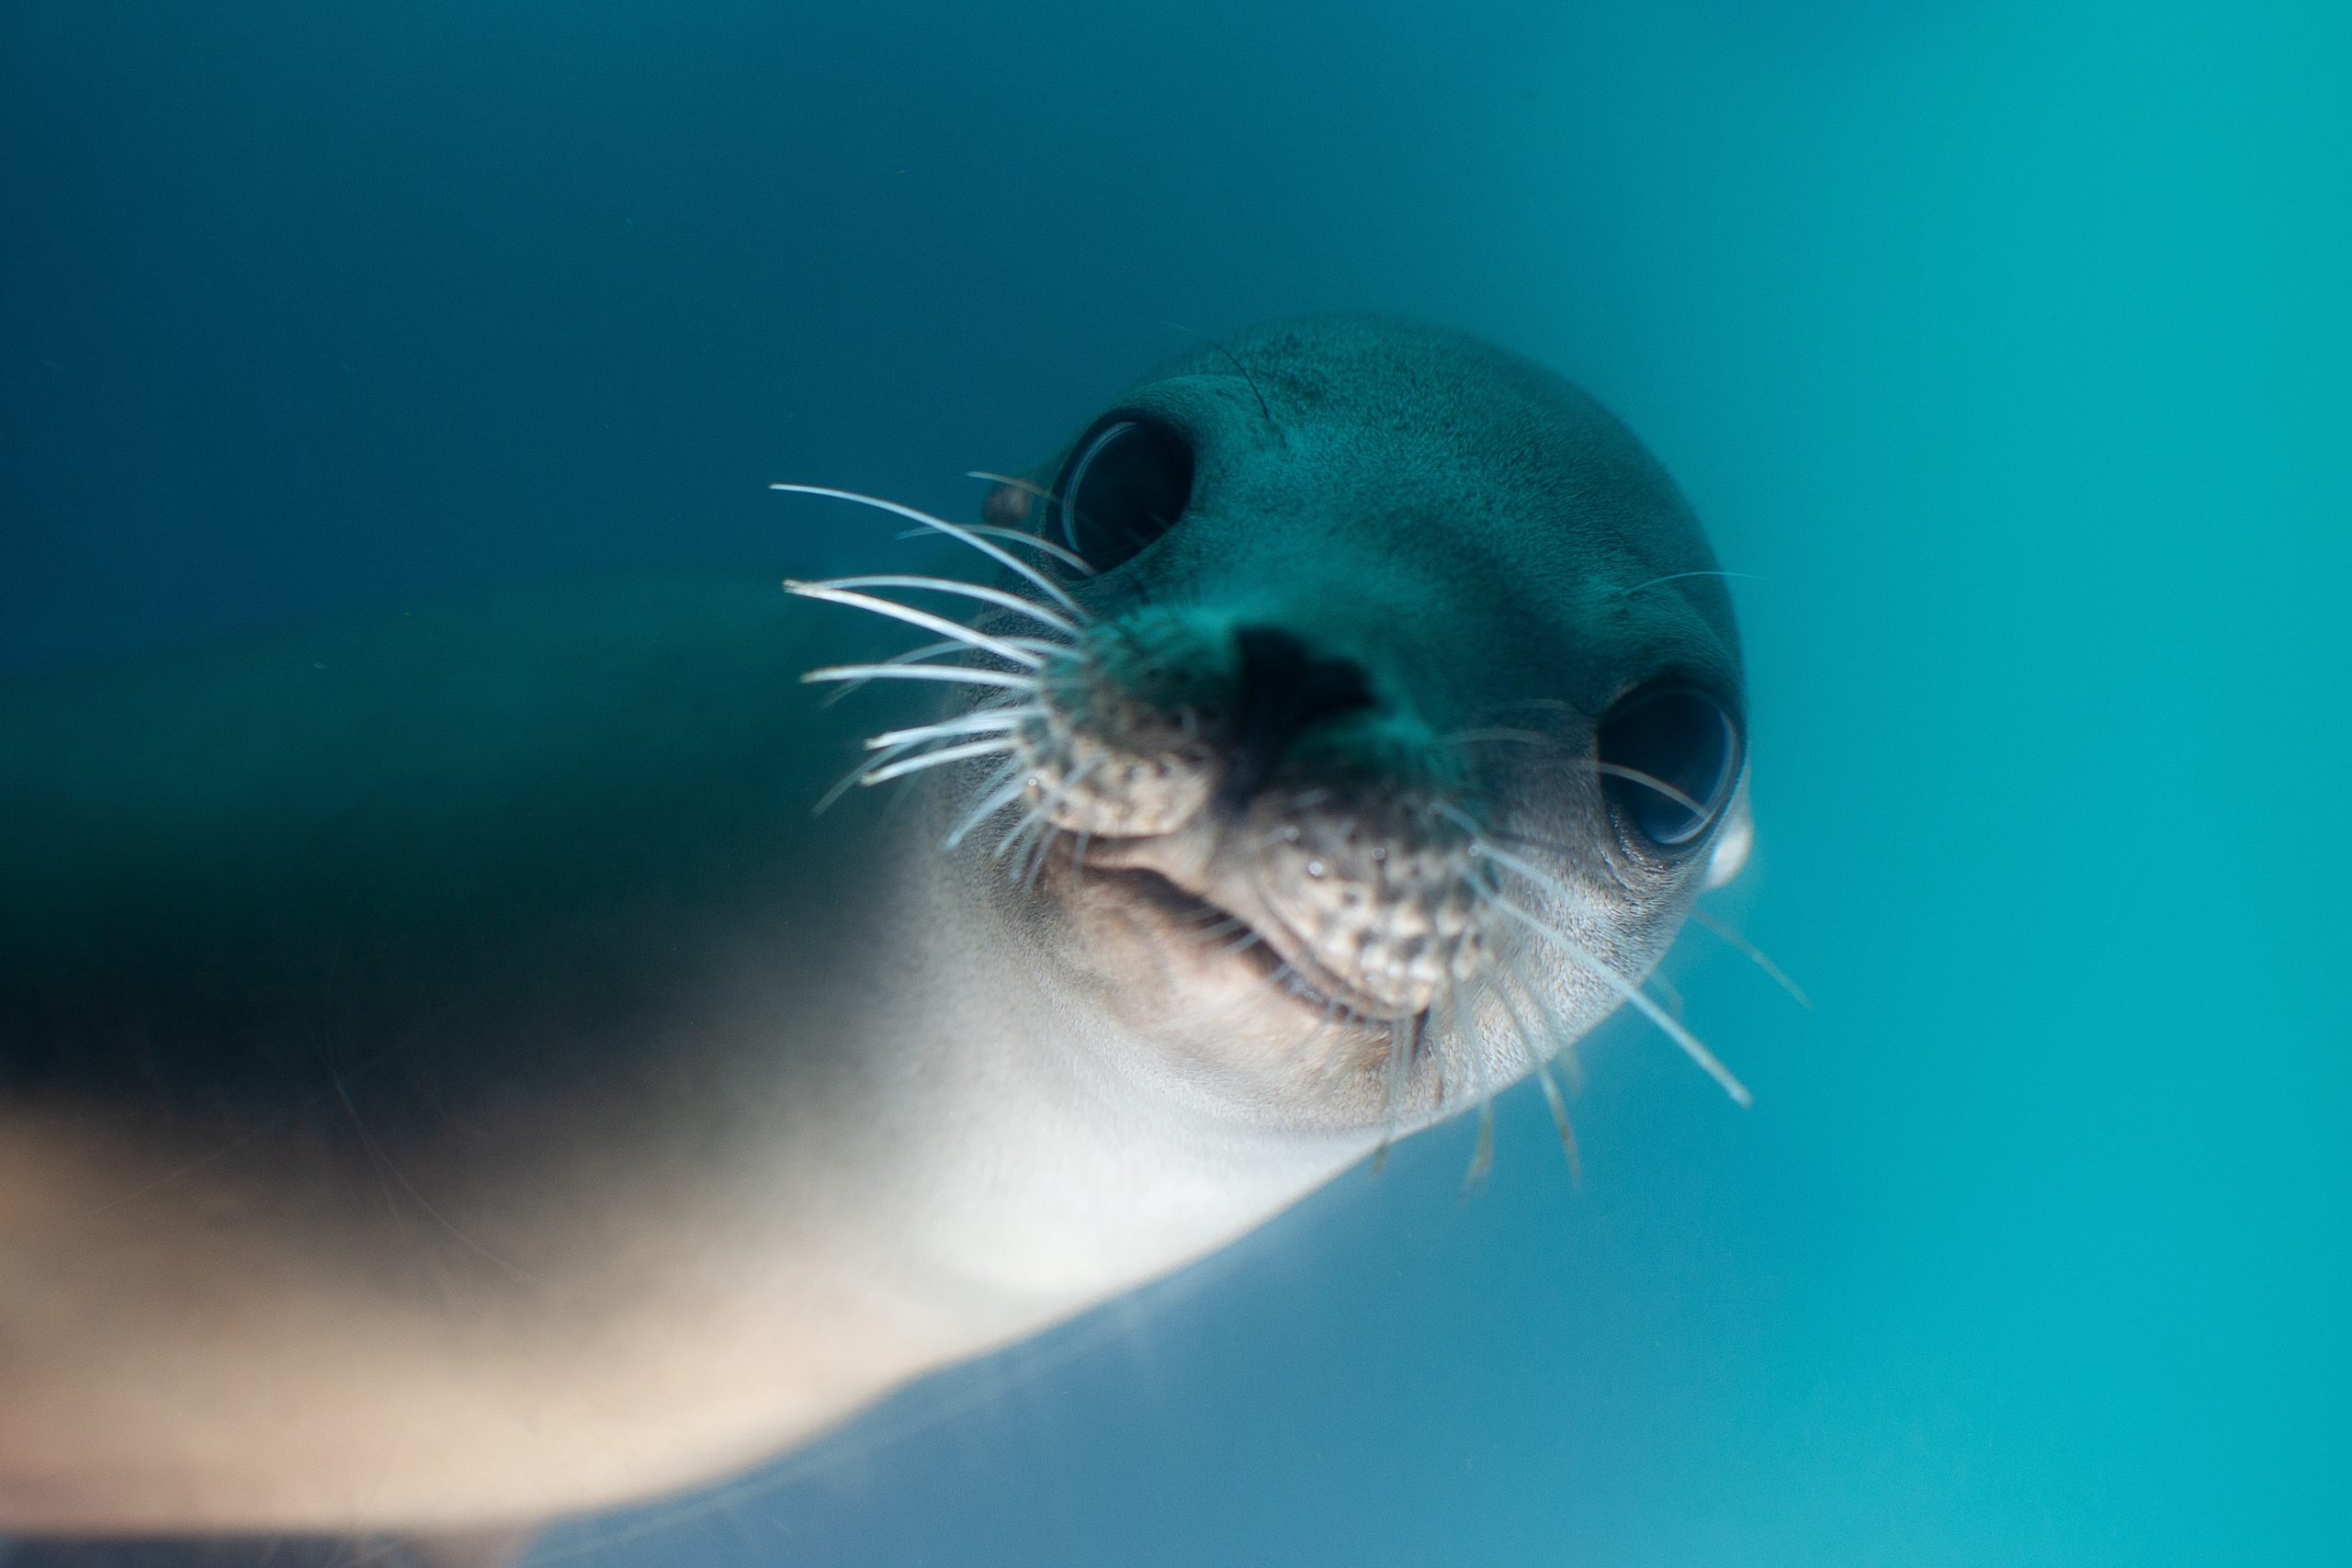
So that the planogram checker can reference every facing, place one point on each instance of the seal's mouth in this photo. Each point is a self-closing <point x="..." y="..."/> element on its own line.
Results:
<point x="1202" y="930"/>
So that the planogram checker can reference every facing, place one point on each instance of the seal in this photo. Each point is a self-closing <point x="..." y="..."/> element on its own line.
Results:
<point x="448" y="1079"/>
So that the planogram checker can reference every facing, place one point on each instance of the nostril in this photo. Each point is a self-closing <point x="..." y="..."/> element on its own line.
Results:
<point x="1282" y="688"/>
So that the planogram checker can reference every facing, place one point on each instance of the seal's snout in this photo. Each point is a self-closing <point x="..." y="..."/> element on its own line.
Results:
<point x="1266" y="789"/>
<point x="1282" y="688"/>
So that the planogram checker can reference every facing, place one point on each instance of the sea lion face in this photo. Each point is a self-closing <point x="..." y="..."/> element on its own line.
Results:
<point x="1387" y="734"/>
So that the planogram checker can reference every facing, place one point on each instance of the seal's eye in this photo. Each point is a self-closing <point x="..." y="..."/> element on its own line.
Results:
<point x="1667" y="756"/>
<point x="1128" y="484"/>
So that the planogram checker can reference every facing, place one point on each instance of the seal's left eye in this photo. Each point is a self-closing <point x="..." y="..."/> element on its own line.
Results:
<point x="1668" y="757"/>
<point x="1129" y="482"/>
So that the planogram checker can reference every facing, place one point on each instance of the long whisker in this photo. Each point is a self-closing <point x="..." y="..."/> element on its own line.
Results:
<point x="1070" y="781"/>
<point x="913" y="656"/>
<point x="1739" y="944"/>
<point x="1678" y="576"/>
<point x="979" y="591"/>
<point x="1614" y="769"/>
<point x="1388" y="1134"/>
<point x="1037" y="857"/>
<point x="848" y="780"/>
<point x="1691" y="1046"/>
<point x="934" y="759"/>
<point x="1541" y="1052"/>
<point x="1017" y="836"/>
<point x="1482" y="1153"/>
<point x="961" y="674"/>
<point x="1020" y="568"/>
<point x="1230" y="358"/>
<point x="1071" y="559"/>
<point x="1490" y="836"/>
<point x="1669" y="995"/>
<point x="1404" y="1035"/>
<point x="1650" y="780"/>
<point x="900" y="741"/>
<point x="988" y="721"/>
<point x="1068" y="558"/>
<point x="915" y="617"/>
<point x="1030" y="487"/>
<point x="1557" y="1105"/>
<point x="1539" y="1044"/>
<point x="1460" y="1024"/>
<point x="1002" y="790"/>
<point x="1674" y="1030"/>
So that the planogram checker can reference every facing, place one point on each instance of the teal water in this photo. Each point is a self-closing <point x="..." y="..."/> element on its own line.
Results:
<point x="2006" y="344"/>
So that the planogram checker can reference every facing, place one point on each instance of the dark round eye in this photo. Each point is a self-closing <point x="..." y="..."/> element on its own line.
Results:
<point x="1669" y="755"/>
<point x="1128" y="484"/>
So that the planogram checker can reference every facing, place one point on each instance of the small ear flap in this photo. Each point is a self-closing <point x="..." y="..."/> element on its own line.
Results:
<point x="1013" y="498"/>
<point x="1006" y="505"/>
<point x="496" y="1547"/>
<point x="1733" y="840"/>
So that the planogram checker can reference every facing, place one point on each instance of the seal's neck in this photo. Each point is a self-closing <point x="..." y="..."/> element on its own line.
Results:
<point x="1059" y="1156"/>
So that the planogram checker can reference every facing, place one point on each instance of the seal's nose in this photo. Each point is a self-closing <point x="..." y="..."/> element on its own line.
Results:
<point x="1284" y="687"/>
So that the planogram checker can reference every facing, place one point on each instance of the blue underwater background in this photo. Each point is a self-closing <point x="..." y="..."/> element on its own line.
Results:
<point x="2007" y="342"/>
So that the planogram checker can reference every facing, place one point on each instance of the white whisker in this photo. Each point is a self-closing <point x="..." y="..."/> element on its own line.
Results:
<point x="1651" y="782"/>
<point x="1071" y="559"/>
<point x="1070" y="781"/>
<point x="1739" y="944"/>
<point x="1540" y="1052"/>
<point x="1678" y="576"/>
<point x="963" y="674"/>
<point x="988" y="721"/>
<point x="1614" y="769"/>
<point x="1537" y="1044"/>
<point x="915" y="617"/>
<point x="1003" y="791"/>
<point x="1020" y="568"/>
<point x="1669" y="995"/>
<point x="1018" y="835"/>
<point x="1608" y="976"/>
<point x="1029" y="488"/>
<point x="1482" y="1153"/>
<point x="1558" y="1106"/>
<point x="1037" y="858"/>
<point x="1068" y="558"/>
<point x="935" y="759"/>
<point x="850" y="780"/>
<point x="1403" y="1036"/>
<point x="978" y="591"/>
<point x="1690" y="1044"/>
<point x="913" y="656"/>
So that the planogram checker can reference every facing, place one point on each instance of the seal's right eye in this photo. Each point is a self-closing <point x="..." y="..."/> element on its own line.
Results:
<point x="1668" y="757"/>
<point x="1129" y="483"/>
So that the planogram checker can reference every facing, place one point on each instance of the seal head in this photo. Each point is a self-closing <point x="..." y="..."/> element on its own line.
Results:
<point x="1385" y="717"/>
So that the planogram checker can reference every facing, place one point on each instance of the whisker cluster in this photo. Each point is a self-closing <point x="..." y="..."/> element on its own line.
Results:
<point x="1501" y="861"/>
<point x="1010" y="676"/>
<point x="1011" y="689"/>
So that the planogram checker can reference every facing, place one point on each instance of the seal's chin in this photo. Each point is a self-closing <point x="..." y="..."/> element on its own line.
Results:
<point x="1216" y="938"/>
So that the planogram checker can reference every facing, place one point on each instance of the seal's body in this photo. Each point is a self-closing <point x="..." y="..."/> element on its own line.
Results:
<point x="448" y="1078"/>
